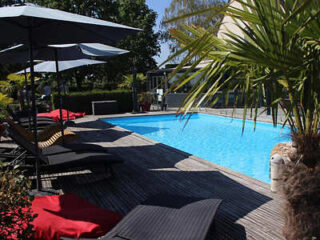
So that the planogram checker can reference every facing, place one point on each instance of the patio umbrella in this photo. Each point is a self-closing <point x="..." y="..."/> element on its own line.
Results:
<point x="50" y="67"/>
<point x="20" y="53"/>
<point x="59" y="52"/>
<point x="21" y="23"/>
<point x="32" y="25"/>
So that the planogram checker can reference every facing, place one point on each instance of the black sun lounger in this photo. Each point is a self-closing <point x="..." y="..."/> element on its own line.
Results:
<point x="167" y="218"/>
<point x="73" y="147"/>
<point x="24" y="121"/>
<point x="63" y="160"/>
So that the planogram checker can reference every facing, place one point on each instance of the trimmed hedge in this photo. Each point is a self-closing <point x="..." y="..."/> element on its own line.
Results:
<point x="81" y="101"/>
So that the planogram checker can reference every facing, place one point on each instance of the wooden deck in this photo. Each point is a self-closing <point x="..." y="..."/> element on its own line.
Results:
<point x="249" y="209"/>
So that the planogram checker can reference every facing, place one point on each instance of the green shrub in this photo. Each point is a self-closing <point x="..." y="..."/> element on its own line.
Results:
<point x="81" y="101"/>
<point x="15" y="213"/>
<point x="4" y="102"/>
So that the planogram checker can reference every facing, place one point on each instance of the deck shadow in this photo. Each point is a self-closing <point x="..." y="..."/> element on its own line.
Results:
<point x="100" y="135"/>
<point x="96" y="124"/>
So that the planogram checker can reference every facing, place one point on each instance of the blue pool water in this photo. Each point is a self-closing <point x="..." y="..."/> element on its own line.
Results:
<point x="214" y="138"/>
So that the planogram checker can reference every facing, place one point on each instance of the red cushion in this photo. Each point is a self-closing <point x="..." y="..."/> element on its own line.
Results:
<point x="55" y="115"/>
<point x="71" y="216"/>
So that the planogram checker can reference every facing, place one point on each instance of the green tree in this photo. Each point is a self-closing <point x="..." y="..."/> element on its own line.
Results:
<point x="184" y="7"/>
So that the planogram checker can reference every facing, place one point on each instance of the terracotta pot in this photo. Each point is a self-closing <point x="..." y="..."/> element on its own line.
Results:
<point x="145" y="106"/>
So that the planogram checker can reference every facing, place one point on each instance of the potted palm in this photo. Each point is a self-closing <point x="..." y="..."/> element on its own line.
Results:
<point x="271" y="49"/>
<point x="145" y="100"/>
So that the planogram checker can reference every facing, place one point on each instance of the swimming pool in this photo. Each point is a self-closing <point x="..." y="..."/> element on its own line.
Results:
<point x="214" y="138"/>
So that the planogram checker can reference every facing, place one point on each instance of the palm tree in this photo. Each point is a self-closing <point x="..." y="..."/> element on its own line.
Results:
<point x="277" y="51"/>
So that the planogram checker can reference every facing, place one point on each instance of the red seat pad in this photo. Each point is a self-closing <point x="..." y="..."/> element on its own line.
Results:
<point x="55" y="115"/>
<point x="70" y="216"/>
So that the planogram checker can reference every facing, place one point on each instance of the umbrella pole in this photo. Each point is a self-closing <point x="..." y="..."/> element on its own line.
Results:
<point x="27" y="98"/>
<point x="59" y="93"/>
<point x="33" y="99"/>
<point x="65" y="96"/>
<point x="134" y="90"/>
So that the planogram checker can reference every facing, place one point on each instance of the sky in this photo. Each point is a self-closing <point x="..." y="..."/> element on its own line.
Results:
<point x="159" y="6"/>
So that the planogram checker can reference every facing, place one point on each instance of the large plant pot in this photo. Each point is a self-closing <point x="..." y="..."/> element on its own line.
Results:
<point x="145" y="106"/>
<point x="302" y="202"/>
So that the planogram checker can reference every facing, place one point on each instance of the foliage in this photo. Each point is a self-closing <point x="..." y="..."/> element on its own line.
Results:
<point x="183" y="7"/>
<point x="277" y="54"/>
<point x="81" y="101"/>
<point x="16" y="216"/>
<point x="4" y="102"/>
<point x="145" y="97"/>
<point x="142" y="46"/>
<point x="127" y="81"/>
<point x="14" y="85"/>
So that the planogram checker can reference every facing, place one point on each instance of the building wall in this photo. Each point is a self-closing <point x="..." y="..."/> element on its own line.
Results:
<point x="228" y="24"/>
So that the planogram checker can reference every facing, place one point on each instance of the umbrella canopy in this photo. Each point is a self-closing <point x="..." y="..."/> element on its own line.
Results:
<point x="20" y="53"/>
<point x="50" y="66"/>
<point x="52" y="26"/>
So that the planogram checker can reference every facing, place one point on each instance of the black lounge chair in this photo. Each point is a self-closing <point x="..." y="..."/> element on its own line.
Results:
<point x="166" y="217"/>
<point x="73" y="147"/>
<point x="63" y="158"/>
<point x="24" y="120"/>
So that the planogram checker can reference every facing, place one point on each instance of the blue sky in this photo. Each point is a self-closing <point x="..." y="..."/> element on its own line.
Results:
<point x="159" y="6"/>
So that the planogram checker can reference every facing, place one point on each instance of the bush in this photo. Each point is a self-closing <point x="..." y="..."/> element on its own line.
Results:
<point x="81" y="101"/>
<point x="4" y="102"/>
<point x="15" y="213"/>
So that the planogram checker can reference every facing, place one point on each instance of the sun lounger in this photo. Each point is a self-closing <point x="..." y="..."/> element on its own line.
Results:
<point x="73" y="147"/>
<point x="49" y="136"/>
<point x="166" y="217"/>
<point x="61" y="161"/>
<point x="24" y="121"/>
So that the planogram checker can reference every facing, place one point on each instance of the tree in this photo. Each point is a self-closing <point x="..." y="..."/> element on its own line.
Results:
<point x="278" y="50"/>
<point x="183" y="7"/>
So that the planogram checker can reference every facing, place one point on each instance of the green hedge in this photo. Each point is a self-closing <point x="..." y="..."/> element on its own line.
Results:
<point x="81" y="101"/>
